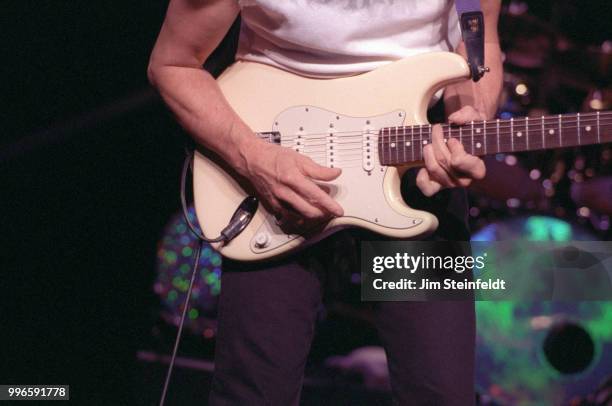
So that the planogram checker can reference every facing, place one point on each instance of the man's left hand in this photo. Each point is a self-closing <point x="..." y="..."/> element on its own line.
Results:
<point x="447" y="165"/>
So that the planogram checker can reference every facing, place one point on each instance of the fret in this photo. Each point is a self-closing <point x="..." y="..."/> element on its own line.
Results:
<point x="389" y="142"/>
<point x="393" y="142"/>
<point x="512" y="133"/>
<point x="404" y="143"/>
<point x="412" y="141"/>
<point x="560" y="131"/>
<point x="526" y="133"/>
<point x="546" y="132"/>
<point x="472" y="137"/>
<point x="393" y="145"/>
<point x="589" y="135"/>
<point x="478" y="142"/>
<point x="578" y="125"/>
<point x="598" y="136"/>
<point x="396" y="146"/>
<point x="484" y="127"/>
<point x="498" y="148"/>
<point x="421" y="141"/>
<point x="460" y="136"/>
<point x="543" y="134"/>
<point x="520" y="129"/>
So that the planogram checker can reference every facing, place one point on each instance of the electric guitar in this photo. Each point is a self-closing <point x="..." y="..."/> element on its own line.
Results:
<point x="374" y="127"/>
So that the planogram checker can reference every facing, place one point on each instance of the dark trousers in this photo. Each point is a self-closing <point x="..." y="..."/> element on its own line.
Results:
<point x="267" y="319"/>
<point x="266" y="324"/>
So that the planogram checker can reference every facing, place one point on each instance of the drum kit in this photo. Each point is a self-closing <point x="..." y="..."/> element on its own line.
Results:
<point x="528" y="353"/>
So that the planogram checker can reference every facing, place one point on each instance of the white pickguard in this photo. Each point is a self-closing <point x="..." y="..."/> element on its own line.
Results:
<point x="345" y="142"/>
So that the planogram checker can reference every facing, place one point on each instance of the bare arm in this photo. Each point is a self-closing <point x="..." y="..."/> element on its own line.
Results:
<point x="447" y="164"/>
<point x="191" y="30"/>
<point x="483" y="95"/>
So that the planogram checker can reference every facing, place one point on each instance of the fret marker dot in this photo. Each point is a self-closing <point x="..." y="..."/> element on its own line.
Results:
<point x="408" y="144"/>
<point x="551" y="131"/>
<point x="519" y="134"/>
<point x="392" y="145"/>
<point x="588" y="128"/>
<point x="424" y="142"/>
<point x="478" y="145"/>
<point x="478" y="131"/>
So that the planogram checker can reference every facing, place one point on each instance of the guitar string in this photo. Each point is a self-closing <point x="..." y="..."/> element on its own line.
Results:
<point x="388" y="140"/>
<point x="503" y="124"/>
<point x="453" y="134"/>
<point x="358" y="152"/>
<point x="341" y="146"/>
<point x="357" y="133"/>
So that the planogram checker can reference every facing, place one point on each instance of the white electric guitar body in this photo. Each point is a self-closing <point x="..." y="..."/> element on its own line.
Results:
<point x="339" y="123"/>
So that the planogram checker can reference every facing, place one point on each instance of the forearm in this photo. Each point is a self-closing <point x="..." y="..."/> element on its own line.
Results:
<point x="194" y="97"/>
<point x="191" y="31"/>
<point x="482" y="95"/>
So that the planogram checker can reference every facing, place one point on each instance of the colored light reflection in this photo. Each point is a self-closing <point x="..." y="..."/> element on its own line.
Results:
<point x="511" y="364"/>
<point x="175" y="256"/>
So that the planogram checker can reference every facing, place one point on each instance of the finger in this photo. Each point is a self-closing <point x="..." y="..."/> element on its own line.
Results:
<point x="463" y="182"/>
<point x="318" y="172"/>
<point x="298" y="203"/>
<point x="441" y="151"/>
<point x="465" y="115"/>
<point x="316" y="196"/>
<point x="314" y="193"/>
<point x="465" y="163"/>
<point x="427" y="186"/>
<point x="436" y="172"/>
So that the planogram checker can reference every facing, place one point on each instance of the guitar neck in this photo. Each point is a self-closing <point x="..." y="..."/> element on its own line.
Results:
<point x="403" y="145"/>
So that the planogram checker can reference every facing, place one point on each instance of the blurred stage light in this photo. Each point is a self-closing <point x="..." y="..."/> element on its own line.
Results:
<point x="534" y="352"/>
<point x="521" y="89"/>
<point x="174" y="266"/>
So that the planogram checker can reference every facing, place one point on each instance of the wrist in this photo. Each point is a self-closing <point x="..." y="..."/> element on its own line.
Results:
<point x="244" y="145"/>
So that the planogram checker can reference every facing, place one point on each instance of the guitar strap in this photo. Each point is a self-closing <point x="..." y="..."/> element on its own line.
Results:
<point x="471" y="21"/>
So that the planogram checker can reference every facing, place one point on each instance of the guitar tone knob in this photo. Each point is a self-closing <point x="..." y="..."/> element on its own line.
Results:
<point x="262" y="240"/>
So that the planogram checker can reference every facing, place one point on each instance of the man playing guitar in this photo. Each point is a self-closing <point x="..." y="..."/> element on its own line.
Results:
<point x="267" y="310"/>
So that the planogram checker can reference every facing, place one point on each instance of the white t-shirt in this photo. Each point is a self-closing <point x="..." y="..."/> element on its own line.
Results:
<point x="329" y="38"/>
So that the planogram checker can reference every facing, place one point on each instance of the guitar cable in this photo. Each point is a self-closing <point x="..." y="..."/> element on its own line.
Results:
<point x="239" y="220"/>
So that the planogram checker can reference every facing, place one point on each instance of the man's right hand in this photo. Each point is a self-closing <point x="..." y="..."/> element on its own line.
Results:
<point x="285" y="179"/>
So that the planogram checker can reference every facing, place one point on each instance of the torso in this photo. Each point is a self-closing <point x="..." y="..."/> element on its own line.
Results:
<point x="330" y="38"/>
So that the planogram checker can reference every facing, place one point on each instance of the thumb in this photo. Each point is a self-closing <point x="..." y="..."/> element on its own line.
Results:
<point x="318" y="172"/>
<point x="465" y="115"/>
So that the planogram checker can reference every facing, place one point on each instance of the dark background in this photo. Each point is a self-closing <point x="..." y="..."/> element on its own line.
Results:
<point x="82" y="215"/>
<point x="83" y="211"/>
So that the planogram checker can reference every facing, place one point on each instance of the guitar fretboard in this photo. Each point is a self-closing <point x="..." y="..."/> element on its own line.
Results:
<point x="402" y="145"/>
